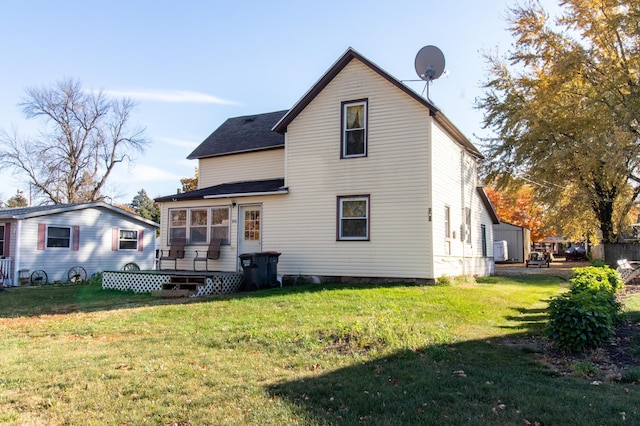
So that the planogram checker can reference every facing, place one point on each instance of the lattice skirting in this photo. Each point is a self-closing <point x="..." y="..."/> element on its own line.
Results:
<point x="146" y="282"/>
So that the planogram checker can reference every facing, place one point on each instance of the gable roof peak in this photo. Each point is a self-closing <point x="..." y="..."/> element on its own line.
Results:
<point x="339" y="65"/>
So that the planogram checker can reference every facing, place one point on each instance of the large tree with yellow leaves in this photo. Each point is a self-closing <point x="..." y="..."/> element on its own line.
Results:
<point x="563" y="105"/>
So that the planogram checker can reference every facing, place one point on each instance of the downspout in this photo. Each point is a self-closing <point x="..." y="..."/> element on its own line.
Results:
<point x="463" y="235"/>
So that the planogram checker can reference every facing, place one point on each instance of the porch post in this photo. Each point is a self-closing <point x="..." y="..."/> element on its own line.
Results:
<point x="17" y="250"/>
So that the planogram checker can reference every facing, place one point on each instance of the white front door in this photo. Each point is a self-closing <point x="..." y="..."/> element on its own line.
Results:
<point x="249" y="229"/>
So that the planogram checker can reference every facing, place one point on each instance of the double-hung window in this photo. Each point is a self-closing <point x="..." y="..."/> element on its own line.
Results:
<point x="467" y="215"/>
<point x="1" y="240"/>
<point x="353" y="218"/>
<point x="198" y="226"/>
<point x="58" y="236"/>
<point x="128" y="240"/>
<point x="447" y="230"/>
<point x="177" y="224"/>
<point x="220" y="223"/>
<point x="354" y="129"/>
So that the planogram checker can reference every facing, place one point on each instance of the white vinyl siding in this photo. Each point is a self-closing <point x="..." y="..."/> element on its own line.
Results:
<point x="260" y="165"/>
<point x="394" y="174"/>
<point x="412" y="169"/>
<point x="58" y="237"/>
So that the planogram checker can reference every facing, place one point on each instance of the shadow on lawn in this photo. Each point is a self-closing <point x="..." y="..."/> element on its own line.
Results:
<point x="473" y="382"/>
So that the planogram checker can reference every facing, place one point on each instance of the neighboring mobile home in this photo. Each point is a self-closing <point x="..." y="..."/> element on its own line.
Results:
<point x="94" y="236"/>
<point x="362" y="178"/>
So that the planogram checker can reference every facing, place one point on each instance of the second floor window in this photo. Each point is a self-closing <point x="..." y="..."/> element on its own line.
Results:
<point x="354" y="129"/>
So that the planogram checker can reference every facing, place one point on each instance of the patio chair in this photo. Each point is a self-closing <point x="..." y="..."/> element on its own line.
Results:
<point x="213" y="253"/>
<point x="176" y="251"/>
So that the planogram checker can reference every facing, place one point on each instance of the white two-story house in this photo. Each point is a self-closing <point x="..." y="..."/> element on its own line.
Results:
<point x="361" y="178"/>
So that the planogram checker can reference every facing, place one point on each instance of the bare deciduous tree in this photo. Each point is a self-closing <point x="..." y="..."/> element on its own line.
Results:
<point x="85" y="135"/>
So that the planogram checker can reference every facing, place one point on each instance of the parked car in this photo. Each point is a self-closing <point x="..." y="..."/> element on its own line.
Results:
<point x="575" y="253"/>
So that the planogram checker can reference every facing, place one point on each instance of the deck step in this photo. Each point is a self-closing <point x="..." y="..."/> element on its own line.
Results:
<point x="170" y="294"/>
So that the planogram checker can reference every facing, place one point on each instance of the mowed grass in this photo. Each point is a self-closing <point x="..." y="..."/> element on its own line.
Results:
<point x="308" y="355"/>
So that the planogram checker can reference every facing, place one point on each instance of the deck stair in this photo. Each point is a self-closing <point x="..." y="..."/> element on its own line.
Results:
<point x="181" y="286"/>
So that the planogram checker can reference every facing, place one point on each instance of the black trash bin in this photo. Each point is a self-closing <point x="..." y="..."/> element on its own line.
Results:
<point x="260" y="270"/>
<point x="271" y="259"/>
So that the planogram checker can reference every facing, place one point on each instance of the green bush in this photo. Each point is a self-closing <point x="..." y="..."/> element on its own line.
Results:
<point x="582" y="320"/>
<point x="593" y="278"/>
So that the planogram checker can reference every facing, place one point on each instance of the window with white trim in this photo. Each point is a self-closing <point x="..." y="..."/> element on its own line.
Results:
<point x="447" y="230"/>
<point x="128" y="240"/>
<point x="447" y="222"/>
<point x="177" y="224"/>
<point x="200" y="224"/>
<point x="483" y="234"/>
<point x="220" y="223"/>
<point x="354" y="129"/>
<point x="58" y="236"/>
<point x="1" y="240"/>
<point x="467" y="230"/>
<point x="353" y="218"/>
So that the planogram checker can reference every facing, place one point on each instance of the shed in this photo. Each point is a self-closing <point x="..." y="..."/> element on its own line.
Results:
<point x="517" y="237"/>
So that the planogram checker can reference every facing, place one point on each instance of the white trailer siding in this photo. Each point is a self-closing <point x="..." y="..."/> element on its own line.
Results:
<point x="95" y="252"/>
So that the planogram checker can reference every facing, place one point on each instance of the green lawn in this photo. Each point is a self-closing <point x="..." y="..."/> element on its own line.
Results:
<point x="309" y="355"/>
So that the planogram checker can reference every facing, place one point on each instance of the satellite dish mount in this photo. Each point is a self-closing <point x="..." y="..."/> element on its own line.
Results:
<point x="429" y="65"/>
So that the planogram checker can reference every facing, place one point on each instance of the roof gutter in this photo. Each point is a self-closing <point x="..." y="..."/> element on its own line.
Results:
<point x="247" y="194"/>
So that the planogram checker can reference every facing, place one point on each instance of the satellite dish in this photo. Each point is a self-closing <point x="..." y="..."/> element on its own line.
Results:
<point x="429" y="63"/>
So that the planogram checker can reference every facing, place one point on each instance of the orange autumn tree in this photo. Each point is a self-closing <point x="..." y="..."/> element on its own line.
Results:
<point x="519" y="208"/>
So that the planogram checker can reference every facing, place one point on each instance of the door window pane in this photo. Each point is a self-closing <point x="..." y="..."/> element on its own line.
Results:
<point x="252" y="225"/>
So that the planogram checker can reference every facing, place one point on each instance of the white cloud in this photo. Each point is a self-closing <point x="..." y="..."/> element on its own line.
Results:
<point x="144" y="173"/>
<point x="178" y="142"/>
<point x="173" y="96"/>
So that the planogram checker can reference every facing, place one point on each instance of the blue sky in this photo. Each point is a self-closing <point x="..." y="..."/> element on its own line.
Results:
<point x="192" y="64"/>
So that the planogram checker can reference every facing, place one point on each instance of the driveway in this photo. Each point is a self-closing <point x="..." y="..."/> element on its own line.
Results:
<point x="557" y="268"/>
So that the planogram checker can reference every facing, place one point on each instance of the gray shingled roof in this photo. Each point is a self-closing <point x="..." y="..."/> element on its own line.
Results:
<point x="21" y="213"/>
<point x="242" y="134"/>
<point x="230" y="190"/>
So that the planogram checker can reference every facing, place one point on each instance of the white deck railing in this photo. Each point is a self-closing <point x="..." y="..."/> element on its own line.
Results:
<point x="6" y="272"/>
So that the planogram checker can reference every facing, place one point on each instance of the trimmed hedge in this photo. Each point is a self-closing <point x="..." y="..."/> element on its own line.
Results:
<point x="596" y="278"/>
<point x="586" y="316"/>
